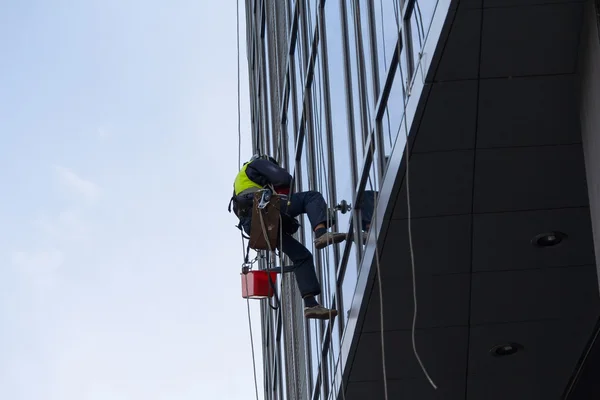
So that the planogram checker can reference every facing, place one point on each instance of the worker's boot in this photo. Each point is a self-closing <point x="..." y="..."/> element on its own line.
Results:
<point x="319" y="312"/>
<point x="329" y="238"/>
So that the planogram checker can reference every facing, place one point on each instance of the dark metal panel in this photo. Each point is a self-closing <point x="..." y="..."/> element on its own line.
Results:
<point x="523" y="49"/>
<point x="413" y="388"/>
<point x="445" y="348"/>
<point x="495" y="233"/>
<point x="442" y="183"/>
<point x="585" y="384"/>
<point x="518" y="178"/>
<point x="450" y="119"/>
<point x="444" y="301"/>
<point x="589" y="99"/>
<point x="513" y="3"/>
<point x="534" y="294"/>
<point x="463" y="47"/>
<point x="442" y="246"/>
<point x="540" y="110"/>
<point x="551" y="349"/>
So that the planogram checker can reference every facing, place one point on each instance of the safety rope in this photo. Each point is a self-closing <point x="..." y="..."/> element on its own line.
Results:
<point x="251" y="342"/>
<point x="239" y="163"/>
<point x="239" y="107"/>
<point x="408" y="206"/>
<point x="273" y="253"/>
<point x="373" y="225"/>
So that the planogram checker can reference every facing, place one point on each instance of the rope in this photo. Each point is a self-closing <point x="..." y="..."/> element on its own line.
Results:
<point x="252" y="343"/>
<point x="373" y="225"/>
<point x="239" y="113"/>
<point x="409" y="214"/>
<point x="239" y="163"/>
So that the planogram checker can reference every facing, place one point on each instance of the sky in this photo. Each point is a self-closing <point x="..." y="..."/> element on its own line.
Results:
<point x="119" y="264"/>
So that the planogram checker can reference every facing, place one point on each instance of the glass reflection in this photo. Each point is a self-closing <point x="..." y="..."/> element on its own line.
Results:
<point x="291" y="140"/>
<point x="353" y="70"/>
<point x="416" y="38"/>
<point x="296" y="66"/>
<point x="424" y="11"/>
<point x="348" y="284"/>
<point x="327" y="255"/>
<point x="394" y="112"/>
<point x="311" y="7"/>
<point x="363" y="12"/>
<point x="341" y="153"/>
<point x="385" y="14"/>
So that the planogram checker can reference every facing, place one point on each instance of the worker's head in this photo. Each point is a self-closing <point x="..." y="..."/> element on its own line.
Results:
<point x="263" y="157"/>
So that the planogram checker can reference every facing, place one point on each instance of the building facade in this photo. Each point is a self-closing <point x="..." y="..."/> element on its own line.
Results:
<point x="337" y="88"/>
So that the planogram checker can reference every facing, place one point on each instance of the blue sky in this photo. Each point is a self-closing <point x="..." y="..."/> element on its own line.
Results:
<point x="119" y="275"/>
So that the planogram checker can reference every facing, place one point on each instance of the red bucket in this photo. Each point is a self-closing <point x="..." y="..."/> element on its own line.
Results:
<point x="256" y="285"/>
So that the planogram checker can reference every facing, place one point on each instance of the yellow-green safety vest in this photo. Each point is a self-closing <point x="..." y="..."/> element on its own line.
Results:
<point x="242" y="182"/>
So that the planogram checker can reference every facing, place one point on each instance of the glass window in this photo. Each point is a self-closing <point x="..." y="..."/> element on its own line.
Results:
<point x="348" y="284"/>
<point x="335" y="348"/>
<point x="353" y="69"/>
<point x="424" y="11"/>
<point x="291" y="140"/>
<point x="301" y="58"/>
<point x="387" y="34"/>
<point x="382" y="56"/>
<point x="271" y="147"/>
<point x="419" y="22"/>
<point x="341" y="152"/>
<point x="363" y="10"/>
<point x="283" y="361"/>
<point x="299" y="76"/>
<point x="310" y="9"/>
<point x="326" y="257"/>
<point x="289" y="13"/>
<point x="312" y="334"/>
<point x="395" y="105"/>
<point x="315" y="345"/>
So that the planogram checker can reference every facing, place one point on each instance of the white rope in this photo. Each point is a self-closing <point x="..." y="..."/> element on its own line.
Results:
<point x="373" y="223"/>
<point x="251" y="340"/>
<point x="239" y="163"/>
<point x="239" y="113"/>
<point x="409" y="212"/>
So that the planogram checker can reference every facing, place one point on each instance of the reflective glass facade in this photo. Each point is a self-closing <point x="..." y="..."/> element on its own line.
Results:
<point x="330" y="88"/>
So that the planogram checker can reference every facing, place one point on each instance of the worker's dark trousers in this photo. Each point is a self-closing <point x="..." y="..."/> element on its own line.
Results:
<point x="367" y="208"/>
<point x="312" y="204"/>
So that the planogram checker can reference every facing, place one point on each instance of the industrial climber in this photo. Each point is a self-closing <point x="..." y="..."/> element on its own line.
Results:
<point x="263" y="171"/>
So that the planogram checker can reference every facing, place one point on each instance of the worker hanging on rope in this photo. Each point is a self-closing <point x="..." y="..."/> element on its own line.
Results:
<point x="264" y="171"/>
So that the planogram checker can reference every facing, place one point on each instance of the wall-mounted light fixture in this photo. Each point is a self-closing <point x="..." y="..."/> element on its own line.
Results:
<point x="506" y="349"/>
<point x="548" y="239"/>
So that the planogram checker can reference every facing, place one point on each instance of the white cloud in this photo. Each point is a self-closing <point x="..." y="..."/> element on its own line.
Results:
<point x="102" y="133"/>
<point x="39" y="266"/>
<point x="77" y="184"/>
<point x="68" y="225"/>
